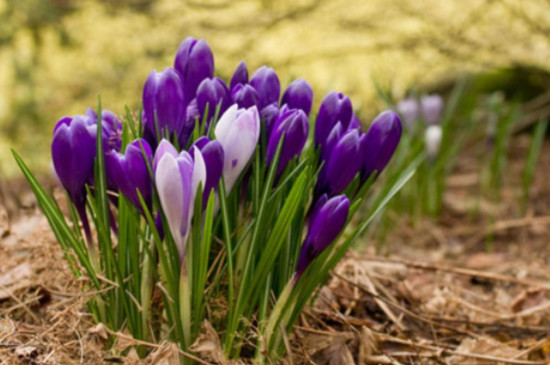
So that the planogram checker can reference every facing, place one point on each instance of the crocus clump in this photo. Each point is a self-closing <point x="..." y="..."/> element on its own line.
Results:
<point x="227" y="193"/>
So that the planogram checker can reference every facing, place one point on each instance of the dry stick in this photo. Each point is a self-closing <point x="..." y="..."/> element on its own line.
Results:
<point x="380" y="302"/>
<point x="23" y="305"/>
<point x="507" y="224"/>
<point x="458" y="271"/>
<point x="441" y="350"/>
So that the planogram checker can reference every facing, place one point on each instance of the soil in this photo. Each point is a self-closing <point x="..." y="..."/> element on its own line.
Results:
<point x="470" y="287"/>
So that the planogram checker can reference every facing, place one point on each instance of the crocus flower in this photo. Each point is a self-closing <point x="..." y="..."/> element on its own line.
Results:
<point x="163" y="105"/>
<point x="342" y="164"/>
<point x="212" y="153"/>
<point x="73" y="154"/>
<point x="267" y="85"/>
<point x="195" y="62"/>
<point x="269" y="115"/>
<point x="177" y="178"/>
<point x="336" y="107"/>
<point x="128" y="172"/>
<point x="111" y="128"/>
<point x="327" y="221"/>
<point x="238" y="131"/>
<point x="240" y="76"/>
<point x="298" y="95"/>
<point x="355" y="123"/>
<point x="212" y="92"/>
<point x="245" y="96"/>
<point x="409" y="110"/>
<point x="432" y="141"/>
<point x="380" y="143"/>
<point x="431" y="106"/>
<point x="295" y="127"/>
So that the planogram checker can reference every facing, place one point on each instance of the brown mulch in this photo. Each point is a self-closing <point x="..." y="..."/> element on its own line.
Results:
<point x="467" y="288"/>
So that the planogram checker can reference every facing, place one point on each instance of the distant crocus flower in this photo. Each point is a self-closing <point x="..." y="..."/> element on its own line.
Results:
<point x="245" y="96"/>
<point x="342" y="164"/>
<point x="298" y="95"/>
<point x="409" y="110"/>
<point x="266" y="83"/>
<point x="432" y="106"/>
<point x="240" y="76"/>
<point x="380" y="143"/>
<point x="335" y="107"/>
<point x="73" y="154"/>
<point x="129" y="173"/>
<point x="294" y="125"/>
<point x="177" y="179"/>
<point x="163" y="105"/>
<point x="214" y="93"/>
<point x="238" y="131"/>
<point x="195" y="62"/>
<point x="213" y="155"/>
<point x="269" y="115"/>
<point x="327" y="221"/>
<point x="432" y="141"/>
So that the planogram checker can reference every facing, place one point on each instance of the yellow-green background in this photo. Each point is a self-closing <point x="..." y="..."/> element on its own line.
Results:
<point x="56" y="56"/>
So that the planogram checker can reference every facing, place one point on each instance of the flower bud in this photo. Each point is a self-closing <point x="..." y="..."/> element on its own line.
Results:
<point x="295" y="127"/>
<point x="163" y="105"/>
<point x="432" y="106"/>
<point x="212" y="92"/>
<point x="240" y="76"/>
<point x="266" y="83"/>
<point x="380" y="143"/>
<point x="269" y="115"/>
<point x="238" y="131"/>
<point x="195" y="62"/>
<point x="336" y="107"/>
<point x="432" y="141"/>
<point x="245" y="96"/>
<point x="327" y="221"/>
<point x="298" y="95"/>
<point x="408" y="109"/>
<point x="213" y="155"/>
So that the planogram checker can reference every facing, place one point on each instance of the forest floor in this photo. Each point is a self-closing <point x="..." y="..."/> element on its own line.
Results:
<point x="471" y="287"/>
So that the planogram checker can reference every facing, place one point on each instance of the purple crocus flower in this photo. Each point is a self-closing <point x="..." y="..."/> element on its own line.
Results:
<point x="336" y="107"/>
<point x="177" y="178"/>
<point x="195" y="62"/>
<point x="163" y="105"/>
<point x="408" y="109"/>
<point x="128" y="172"/>
<point x="212" y="153"/>
<point x="342" y="164"/>
<point x="432" y="106"/>
<point x="238" y="131"/>
<point x="111" y="128"/>
<point x="240" y="76"/>
<point x="73" y="154"/>
<point x="245" y="96"/>
<point x="295" y="127"/>
<point x="380" y="143"/>
<point x="269" y="115"/>
<point x="267" y="85"/>
<point x="298" y="95"/>
<point x="327" y="221"/>
<point x="212" y="92"/>
<point x="355" y="123"/>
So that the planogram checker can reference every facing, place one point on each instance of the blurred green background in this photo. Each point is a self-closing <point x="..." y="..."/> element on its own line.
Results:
<point x="57" y="56"/>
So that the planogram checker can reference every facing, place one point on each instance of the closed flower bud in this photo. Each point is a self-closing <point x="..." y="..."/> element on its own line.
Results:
<point x="177" y="179"/>
<point x="266" y="83"/>
<point x="341" y="165"/>
<point x="432" y="106"/>
<point x="298" y="95"/>
<point x="336" y="107"/>
<point x="245" y="96"/>
<point x="212" y="153"/>
<point x="238" y="131"/>
<point x="163" y="105"/>
<point x="195" y="62"/>
<point x="129" y="173"/>
<point x="269" y="115"/>
<point x="355" y="123"/>
<point x="211" y="93"/>
<point x="240" y="76"/>
<point x="294" y="125"/>
<point x="380" y="143"/>
<point x="409" y="110"/>
<point x="432" y="141"/>
<point x="327" y="221"/>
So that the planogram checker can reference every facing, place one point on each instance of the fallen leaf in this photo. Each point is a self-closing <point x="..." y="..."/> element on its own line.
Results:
<point x="166" y="355"/>
<point x="208" y="345"/>
<point x="528" y="299"/>
<point x="100" y="330"/>
<point x="486" y="346"/>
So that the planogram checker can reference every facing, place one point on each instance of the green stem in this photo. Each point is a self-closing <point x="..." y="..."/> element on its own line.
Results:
<point x="275" y="318"/>
<point x="147" y="289"/>
<point x="185" y="306"/>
